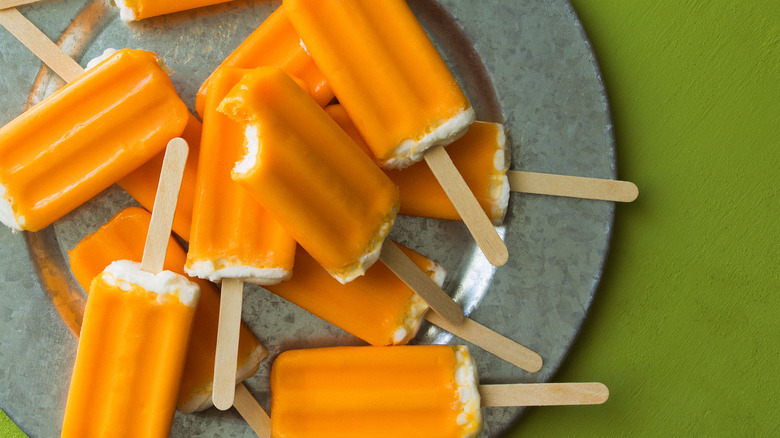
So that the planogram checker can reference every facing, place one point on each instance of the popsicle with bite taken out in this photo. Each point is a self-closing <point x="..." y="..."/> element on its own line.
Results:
<point x="328" y="195"/>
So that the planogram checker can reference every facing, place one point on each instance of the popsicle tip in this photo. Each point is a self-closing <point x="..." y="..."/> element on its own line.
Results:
<point x="535" y="362"/>
<point x="600" y="392"/>
<point x="178" y="143"/>
<point x="631" y="191"/>
<point x="222" y="401"/>
<point x="498" y="255"/>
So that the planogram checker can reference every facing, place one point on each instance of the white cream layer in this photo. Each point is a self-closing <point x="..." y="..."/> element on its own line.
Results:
<point x="252" y="145"/>
<point x="100" y="58"/>
<point x="166" y="284"/>
<point x="467" y="378"/>
<point x="499" y="182"/>
<point x="7" y="215"/>
<point x="219" y="269"/>
<point x="410" y="151"/>
<point x="126" y="12"/>
<point x="412" y="321"/>
<point x="418" y="308"/>
<point x="371" y="254"/>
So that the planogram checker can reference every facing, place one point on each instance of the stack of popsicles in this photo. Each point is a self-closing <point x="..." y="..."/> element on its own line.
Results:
<point x="285" y="188"/>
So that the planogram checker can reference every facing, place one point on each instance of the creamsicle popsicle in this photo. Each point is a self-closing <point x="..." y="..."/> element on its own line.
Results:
<point x="233" y="239"/>
<point x="275" y="43"/>
<point x="135" y="333"/>
<point x="401" y="391"/>
<point x="131" y="353"/>
<point x="377" y="307"/>
<point x="134" y="10"/>
<point x="121" y="238"/>
<point x="386" y="73"/>
<point x="141" y="183"/>
<point x="480" y="155"/>
<point x="231" y="235"/>
<point x="331" y="198"/>
<point x="370" y="392"/>
<point x="83" y="138"/>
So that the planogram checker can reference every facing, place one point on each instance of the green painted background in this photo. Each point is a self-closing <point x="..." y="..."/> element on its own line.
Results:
<point x="685" y="328"/>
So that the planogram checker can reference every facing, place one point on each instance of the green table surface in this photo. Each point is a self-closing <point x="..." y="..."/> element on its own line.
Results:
<point x="684" y="328"/>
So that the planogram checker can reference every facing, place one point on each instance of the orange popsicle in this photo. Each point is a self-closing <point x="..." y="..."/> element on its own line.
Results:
<point x="231" y="235"/>
<point x="135" y="333"/>
<point x="480" y="155"/>
<point x="331" y="198"/>
<point x="275" y="43"/>
<point x="134" y="10"/>
<point x="371" y="392"/>
<point x="377" y="307"/>
<point x="141" y="183"/>
<point x="386" y="72"/>
<point x="121" y="238"/>
<point x="233" y="239"/>
<point x="428" y="391"/>
<point x="86" y="136"/>
<point x="131" y="353"/>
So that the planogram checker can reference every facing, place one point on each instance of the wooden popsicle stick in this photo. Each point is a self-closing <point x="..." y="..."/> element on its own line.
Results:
<point x="14" y="3"/>
<point x="417" y="280"/>
<point x="572" y="186"/>
<point x="164" y="206"/>
<point x="252" y="412"/>
<point x="544" y="394"/>
<point x="466" y="204"/>
<point x="490" y="341"/>
<point x="44" y="48"/>
<point x="226" y="356"/>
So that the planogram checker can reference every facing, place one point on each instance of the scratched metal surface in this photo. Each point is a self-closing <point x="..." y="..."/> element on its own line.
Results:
<point x="526" y="63"/>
